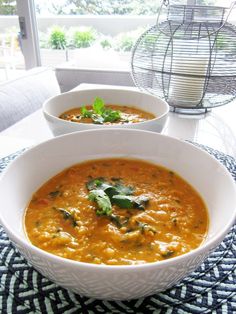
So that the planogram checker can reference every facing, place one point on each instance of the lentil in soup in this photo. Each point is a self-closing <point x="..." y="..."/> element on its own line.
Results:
<point x="116" y="212"/>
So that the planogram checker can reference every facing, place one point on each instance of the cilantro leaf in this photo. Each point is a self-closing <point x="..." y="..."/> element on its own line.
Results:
<point x="98" y="105"/>
<point x="167" y="254"/>
<point x="85" y="113"/>
<point x="99" y="114"/>
<point x="125" y="201"/>
<point x="67" y="215"/>
<point x="145" y="227"/>
<point x="106" y="194"/>
<point x="110" y="115"/>
<point x="97" y="183"/>
<point x="118" y="220"/>
<point x="103" y="202"/>
<point x="123" y="189"/>
<point x="54" y="194"/>
<point x="140" y="201"/>
<point x="110" y="189"/>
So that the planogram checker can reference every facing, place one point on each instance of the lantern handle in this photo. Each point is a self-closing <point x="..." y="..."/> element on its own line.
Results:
<point x="230" y="10"/>
<point x="166" y="4"/>
<point x="226" y="19"/>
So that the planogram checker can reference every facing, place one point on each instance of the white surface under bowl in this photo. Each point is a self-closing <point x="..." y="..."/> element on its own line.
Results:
<point x="29" y="171"/>
<point x="56" y="105"/>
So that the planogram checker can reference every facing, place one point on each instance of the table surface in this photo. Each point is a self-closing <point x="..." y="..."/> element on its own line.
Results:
<point x="216" y="128"/>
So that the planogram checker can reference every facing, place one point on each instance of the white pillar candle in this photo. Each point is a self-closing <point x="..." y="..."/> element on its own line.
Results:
<point x="187" y="80"/>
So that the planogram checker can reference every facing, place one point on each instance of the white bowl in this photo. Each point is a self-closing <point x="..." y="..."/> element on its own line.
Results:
<point x="56" y="105"/>
<point x="29" y="171"/>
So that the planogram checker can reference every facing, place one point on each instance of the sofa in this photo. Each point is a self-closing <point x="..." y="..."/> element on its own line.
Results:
<point x="24" y="95"/>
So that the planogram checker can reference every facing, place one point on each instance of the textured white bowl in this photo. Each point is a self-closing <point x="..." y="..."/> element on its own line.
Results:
<point x="29" y="171"/>
<point x="56" y="105"/>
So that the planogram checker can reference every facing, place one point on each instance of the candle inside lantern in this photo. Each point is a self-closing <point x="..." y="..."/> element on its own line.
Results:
<point x="187" y="81"/>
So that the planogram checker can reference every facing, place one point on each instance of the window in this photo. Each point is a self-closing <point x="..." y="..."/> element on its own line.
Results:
<point x="11" y="58"/>
<point x="85" y="34"/>
<point x="92" y="34"/>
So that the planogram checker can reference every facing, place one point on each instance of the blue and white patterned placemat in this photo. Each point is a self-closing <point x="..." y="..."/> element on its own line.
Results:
<point x="210" y="289"/>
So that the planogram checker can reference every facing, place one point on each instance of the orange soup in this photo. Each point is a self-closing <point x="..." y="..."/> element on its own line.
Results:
<point x="114" y="115"/>
<point x="116" y="212"/>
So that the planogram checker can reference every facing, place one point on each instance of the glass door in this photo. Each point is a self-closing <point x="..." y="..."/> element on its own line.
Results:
<point x="12" y="62"/>
<point x="28" y="33"/>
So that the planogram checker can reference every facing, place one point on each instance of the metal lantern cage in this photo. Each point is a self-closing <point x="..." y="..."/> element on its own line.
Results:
<point x="189" y="59"/>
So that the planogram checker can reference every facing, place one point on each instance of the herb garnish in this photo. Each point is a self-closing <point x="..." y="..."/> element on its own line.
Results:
<point x="110" y="189"/>
<point x="106" y="194"/>
<point x="125" y="201"/>
<point x="167" y="254"/>
<point x="94" y="183"/>
<point x="54" y="194"/>
<point x="119" y="221"/>
<point x="67" y="215"/>
<point x="100" y="114"/>
<point x="102" y="200"/>
<point x="145" y="227"/>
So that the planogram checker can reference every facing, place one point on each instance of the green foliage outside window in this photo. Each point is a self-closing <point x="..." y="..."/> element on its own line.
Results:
<point x="83" y="37"/>
<point x="7" y="7"/>
<point x="125" y="41"/>
<point x="106" y="42"/>
<point x="57" y="38"/>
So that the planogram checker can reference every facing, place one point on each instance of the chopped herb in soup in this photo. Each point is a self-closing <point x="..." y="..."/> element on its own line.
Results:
<point x="116" y="212"/>
<point x="99" y="113"/>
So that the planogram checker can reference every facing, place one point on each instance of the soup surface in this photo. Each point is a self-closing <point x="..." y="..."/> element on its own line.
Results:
<point x="109" y="114"/>
<point x="116" y="212"/>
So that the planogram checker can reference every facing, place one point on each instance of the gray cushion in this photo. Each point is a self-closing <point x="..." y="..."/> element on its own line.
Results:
<point x="26" y="94"/>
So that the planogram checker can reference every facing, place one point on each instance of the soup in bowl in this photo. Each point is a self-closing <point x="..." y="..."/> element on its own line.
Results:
<point x="116" y="212"/>
<point x="105" y="108"/>
<point x="134" y="222"/>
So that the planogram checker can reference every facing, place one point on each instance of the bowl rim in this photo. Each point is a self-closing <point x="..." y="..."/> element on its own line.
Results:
<point x="66" y="122"/>
<point x="204" y="247"/>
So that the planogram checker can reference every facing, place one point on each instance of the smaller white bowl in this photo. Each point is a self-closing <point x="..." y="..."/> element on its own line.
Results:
<point x="56" y="105"/>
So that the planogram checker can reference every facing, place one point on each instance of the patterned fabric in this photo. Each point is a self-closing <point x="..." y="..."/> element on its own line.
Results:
<point x="210" y="289"/>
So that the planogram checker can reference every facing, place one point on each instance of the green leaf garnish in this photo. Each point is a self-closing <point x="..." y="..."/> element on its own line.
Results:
<point x="98" y="105"/>
<point x="123" y="201"/>
<point x="167" y="254"/>
<point x="145" y="227"/>
<point x="118" y="220"/>
<point x="126" y="201"/>
<point x="110" y="115"/>
<point x="54" y="194"/>
<point x="140" y="201"/>
<point x="96" y="183"/>
<point x="100" y="114"/>
<point x="106" y="194"/>
<point x="123" y="189"/>
<point x="102" y="200"/>
<point x="67" y="215"/>
<point x="85" y="113"/>
<point x="109" y="188"/>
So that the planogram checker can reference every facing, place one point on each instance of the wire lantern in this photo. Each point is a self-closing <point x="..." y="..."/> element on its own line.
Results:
<point x="189" y="59"/>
